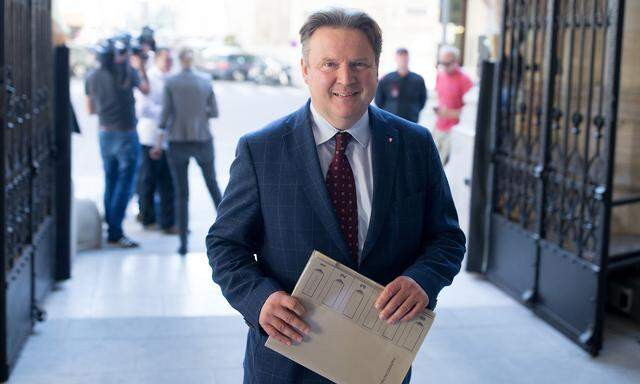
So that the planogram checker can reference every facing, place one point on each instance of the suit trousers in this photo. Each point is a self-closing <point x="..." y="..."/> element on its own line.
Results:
<point x="443" y="143"/>
<point x="154" y="177"/>
<point x="178" y="155"/>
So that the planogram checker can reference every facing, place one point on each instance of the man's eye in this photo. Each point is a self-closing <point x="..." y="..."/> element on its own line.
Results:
<point x="328" y="64"/>
<point x="360" y="65"/>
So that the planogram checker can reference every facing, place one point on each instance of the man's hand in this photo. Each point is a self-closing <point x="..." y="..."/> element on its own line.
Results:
<point x="136" y="62"/>
<point x="401" y="300"/>
<point x="280" y="318"/>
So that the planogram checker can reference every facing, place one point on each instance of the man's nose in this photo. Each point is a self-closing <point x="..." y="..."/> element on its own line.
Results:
<point x="345" y="74"/>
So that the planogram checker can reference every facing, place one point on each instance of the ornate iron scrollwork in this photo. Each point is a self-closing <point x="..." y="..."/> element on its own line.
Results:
<point x="576" y="169"/>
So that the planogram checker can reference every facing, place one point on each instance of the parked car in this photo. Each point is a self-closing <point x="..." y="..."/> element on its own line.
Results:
<point x="234" y="66"/>
<point x="267" y="70"/>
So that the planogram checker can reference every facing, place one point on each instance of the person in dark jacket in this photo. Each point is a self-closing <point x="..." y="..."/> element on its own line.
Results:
<point x="340" y="176"/>
<point x="402" y="92"/>
<point x="188" y="104"/>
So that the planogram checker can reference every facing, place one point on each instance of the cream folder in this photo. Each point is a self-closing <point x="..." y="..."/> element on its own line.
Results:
<point x="348" y="343"/>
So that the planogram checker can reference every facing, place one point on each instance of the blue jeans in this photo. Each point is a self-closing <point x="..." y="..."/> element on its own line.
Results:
<point x="119" y="150"/>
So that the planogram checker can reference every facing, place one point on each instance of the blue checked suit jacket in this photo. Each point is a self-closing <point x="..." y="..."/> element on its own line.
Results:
<point x="276" y="211"/>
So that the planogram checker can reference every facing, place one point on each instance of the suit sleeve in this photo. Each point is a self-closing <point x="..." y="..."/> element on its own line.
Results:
<point x="212" y="105"/>
<point x="235" y="238"/>
<point x="423" y="94"/>
<point x="167" y="108"/>
<point x="443" y="240"/>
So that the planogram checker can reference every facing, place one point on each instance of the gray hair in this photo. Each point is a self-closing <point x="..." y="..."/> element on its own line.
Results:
<point x="450" y="49"/>
<point x="186" y="56"/>
<point x="342" y="18"/>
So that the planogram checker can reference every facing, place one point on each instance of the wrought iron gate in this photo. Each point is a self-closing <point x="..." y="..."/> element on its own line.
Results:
<point x="554" y="133"/>
<point x="28" y="153"/>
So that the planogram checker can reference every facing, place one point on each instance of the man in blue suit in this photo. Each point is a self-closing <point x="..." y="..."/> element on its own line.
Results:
<point x="340" y="176"/>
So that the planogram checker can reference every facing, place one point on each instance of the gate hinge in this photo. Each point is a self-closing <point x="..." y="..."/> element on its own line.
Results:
<point x="586" y="336"/>
<point x="527" y="296"/>
<point x="38" y="314"/>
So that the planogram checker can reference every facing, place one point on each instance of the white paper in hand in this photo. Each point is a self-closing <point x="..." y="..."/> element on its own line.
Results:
<point x="348" y="343"/>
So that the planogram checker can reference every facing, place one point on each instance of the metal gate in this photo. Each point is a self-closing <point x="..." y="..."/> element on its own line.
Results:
<point x="554" y="133"/>
<point x="28" y="235"/>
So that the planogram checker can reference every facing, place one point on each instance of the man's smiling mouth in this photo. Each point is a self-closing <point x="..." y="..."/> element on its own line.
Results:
<point x="345" y="94"/>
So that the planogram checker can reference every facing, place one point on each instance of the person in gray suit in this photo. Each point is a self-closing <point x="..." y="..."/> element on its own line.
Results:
<point x="188" y="104"/>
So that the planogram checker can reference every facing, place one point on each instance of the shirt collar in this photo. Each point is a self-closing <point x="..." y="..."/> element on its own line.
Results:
<point x="323" y="131"/>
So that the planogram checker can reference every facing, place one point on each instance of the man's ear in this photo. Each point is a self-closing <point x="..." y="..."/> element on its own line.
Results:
<point x="305" y="70"/>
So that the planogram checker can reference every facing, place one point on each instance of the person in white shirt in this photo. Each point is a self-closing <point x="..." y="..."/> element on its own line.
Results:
<point x="154" y="176"/>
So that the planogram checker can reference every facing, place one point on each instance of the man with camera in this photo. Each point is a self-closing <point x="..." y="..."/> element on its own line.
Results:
<point x="109" y="92"/>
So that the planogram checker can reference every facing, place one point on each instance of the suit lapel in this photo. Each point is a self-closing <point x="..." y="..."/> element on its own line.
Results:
<point x="384" y="153"/>
<point x="302" y="147"/>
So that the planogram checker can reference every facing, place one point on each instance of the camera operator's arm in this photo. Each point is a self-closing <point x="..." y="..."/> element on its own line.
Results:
<point x="143" y="86"/>
<point x="142" y="82"/>
<point x="90" y="106"/>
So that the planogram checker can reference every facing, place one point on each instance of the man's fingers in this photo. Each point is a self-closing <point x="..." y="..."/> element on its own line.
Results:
<point x="413" y="313"/>
<point x="292" y="319"/>
<point x="393" y="304"/>
<point x="293" y="304"/>
<point x="387" y="293"/>
<point x="285" y="329"/>
<point x="403" y="309"/>
<point x="273" y="332"/>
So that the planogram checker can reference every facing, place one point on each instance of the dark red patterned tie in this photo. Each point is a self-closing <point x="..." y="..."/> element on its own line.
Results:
<point x="342" y="191"/>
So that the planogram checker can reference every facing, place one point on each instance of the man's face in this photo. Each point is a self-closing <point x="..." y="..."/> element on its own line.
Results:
<point x="448" y="62"/>
<point x="164" y="61"/>
<point x="341" y="72"/>
<point x="402" y="61"/>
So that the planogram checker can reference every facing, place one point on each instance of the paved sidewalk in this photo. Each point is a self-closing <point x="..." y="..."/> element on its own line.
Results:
<point x="156" y="318"/>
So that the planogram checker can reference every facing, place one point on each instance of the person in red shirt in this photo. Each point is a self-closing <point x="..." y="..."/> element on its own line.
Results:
<point x="451" y="86"/>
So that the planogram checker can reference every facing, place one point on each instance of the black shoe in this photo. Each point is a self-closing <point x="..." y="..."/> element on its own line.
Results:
<point x="124" y="242"/>
<point x="151" y="227"/>
<point x="171" y="230"/>
<point x="182" y="250"/>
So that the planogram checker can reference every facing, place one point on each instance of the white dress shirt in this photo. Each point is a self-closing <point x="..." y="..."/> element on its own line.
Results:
<point x="359" y="156"/>
<point x="149" y="107"/>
